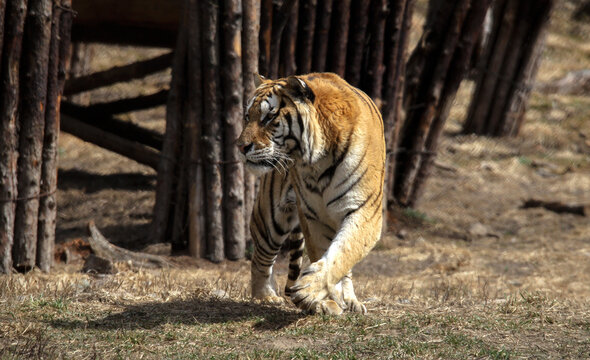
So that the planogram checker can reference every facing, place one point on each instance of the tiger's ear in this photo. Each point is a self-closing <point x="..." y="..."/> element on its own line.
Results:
<point x="300" y="88"/>
<point x="259" y="80"/>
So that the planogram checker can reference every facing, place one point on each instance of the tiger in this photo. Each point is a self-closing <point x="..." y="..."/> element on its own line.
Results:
<point x="317" y="144"/>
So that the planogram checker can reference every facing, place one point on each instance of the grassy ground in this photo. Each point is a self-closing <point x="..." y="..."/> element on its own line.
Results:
<point x="467" y="274"/>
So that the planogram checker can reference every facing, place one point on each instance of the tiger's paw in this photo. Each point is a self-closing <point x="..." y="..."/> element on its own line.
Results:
<point x="266" y="294"/>
<point x="312" y="293"/>
<point x="355" y="306"/>
<point x="270" y="299"/>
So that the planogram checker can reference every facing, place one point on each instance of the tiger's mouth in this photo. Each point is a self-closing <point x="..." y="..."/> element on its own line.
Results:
<point x="261" y="167"/>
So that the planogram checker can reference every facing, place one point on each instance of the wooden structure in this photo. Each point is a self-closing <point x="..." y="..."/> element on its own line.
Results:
<point x="34" y="43"/>
<point x="508" y="68"/>
<point x="434" y="73"/>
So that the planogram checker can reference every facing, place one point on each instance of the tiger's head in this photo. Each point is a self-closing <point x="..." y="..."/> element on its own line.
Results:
<point x="274" y="122"/>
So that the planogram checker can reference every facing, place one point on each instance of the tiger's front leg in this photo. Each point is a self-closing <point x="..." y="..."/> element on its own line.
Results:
<point x="325" y="285"/>
<point x="273" y="218"/>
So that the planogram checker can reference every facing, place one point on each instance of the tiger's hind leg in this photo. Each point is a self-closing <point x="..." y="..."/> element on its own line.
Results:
<point x="296" y="247"/>
<point x="273" y="218"/>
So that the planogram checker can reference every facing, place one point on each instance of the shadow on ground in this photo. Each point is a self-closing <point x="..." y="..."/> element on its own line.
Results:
<point x="189" y="312"/>
<point x="92" y="182"/>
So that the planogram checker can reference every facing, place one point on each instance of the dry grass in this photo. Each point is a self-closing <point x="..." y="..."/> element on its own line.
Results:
<point x="519" y="289"/>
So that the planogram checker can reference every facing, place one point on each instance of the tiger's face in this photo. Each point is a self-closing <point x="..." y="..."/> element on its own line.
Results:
<point x="271" y="136"/>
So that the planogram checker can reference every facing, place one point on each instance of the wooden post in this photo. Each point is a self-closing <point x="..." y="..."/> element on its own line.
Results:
<point x="250" y="32"/>
<point x="396" y="42"/>
<point x="458" y="69"/>
<point x="9" y="90"/>
<point x="212" y="133"/>
<point x="436" y="58"/>
<point x="265" y="37"/>
<point x="306" y="33"/>
<point x="374" y="68"/>
<point x="356" y="41"/>
<point x="193" y="118"/>
<point x="36" y="41"/>
<point x="322" y="32"/>
<point x="287" y="65"/>
<point x="231" y="78"/>
<point x="170" y="149"/>
<point x="60" y="35"/>
<point x="339" y="37"/>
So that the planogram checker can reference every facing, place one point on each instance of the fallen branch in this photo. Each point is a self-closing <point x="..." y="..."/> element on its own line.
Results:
<point x="104" y="249"/>
<point x="558" y="207"/>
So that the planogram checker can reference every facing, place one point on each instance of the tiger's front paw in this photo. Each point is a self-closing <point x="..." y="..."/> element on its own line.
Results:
<point x="312" y="292"/>
<point x="266" y="295"/>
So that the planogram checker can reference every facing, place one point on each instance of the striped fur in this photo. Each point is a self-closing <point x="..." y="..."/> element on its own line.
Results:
<point x="318" y="144"/>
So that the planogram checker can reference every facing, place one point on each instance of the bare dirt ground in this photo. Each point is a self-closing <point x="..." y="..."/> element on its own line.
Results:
<point x="467" y="274"/>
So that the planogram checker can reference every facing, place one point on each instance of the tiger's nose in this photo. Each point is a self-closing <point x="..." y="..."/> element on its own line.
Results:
<point x="244" y="148"/>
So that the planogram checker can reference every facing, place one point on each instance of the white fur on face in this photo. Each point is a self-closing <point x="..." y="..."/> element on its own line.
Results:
<point x="269" y="105"/>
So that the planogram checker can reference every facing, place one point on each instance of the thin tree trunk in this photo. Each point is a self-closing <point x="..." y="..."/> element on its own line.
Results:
<point x="36" y="42"/>
<point x="322" y="33"/>
<point x="194" y="115"/>
<point x="287" y="65"/>
<point x="265" y="37"/>
<point x="398" y="28"/>
<point x="47" y="202"/>
<point x="357" y="40"/>
<point x="373" y="82"/>
<point x="2" y="12"/>
<point x="279" y="21"/>
<point x="251" y="29"/>
<point x="170" y="147"/>
<point x="212" y="133"/>
<point x="306" y="33"/>
<point x="231" y="77"/>
<point x="423" y="107"/>
<point x="9" y="90"/>
<point x="458" y="69"/>
<point x="339" y="37"/>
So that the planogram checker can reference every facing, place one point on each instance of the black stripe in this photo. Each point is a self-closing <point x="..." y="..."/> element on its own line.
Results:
<point x="362" y="159"/>
<point x="277" y="228"/>
<point x="296" y="255"/>
<point x="350" y="212"/>
<point x="348" y="188"/>
<point x="332" y="169"/>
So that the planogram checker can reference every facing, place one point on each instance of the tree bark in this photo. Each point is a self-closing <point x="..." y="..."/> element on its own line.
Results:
<point x="9" y="89"/>
<point x="458" y="69"/>
<point x="287" y="65"/>
<point x="47" y="202"/>
<point x="170" y="148"/>
<point x="279" y="21"/>
<point x="36" y="42"/>
<point x="265" y="37"/>
<point x="251" y="29"/>
<point x="231" y="77"/>
<point x="212" y="133"/>
<point x="306" y="33"/>
<point x="193" y="118"/>
<point x="373" y="82"/>
<point x="422" y="110"/>
<point x="357" y="40"/>
<point x="322" y="33"/>
<point x="339" y="37"/>
<point x="398" y="26"/>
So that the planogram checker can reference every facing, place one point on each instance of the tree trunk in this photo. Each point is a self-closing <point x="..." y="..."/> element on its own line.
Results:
<point x="279" y="21"/>
<point x="9" y="90"/>
<point x="306" y="33"/>
<point x="398" y="25"/>
<point x="373" y="82"/>
<point x="212" y="133"/>
<point x="47" y="202"/>
<point x="36" y="42"/>
<point x="322" y="33"/>
<point x="503" y="85"/>
<point x="339" y="37"/>
<point x="265" y="37"/>
<point x="251" y="29"/>
<point x="357" y="40"/>
<point x="231" y="76"/>
<point x="287" y="65"/>
<point x="171" y="147"/>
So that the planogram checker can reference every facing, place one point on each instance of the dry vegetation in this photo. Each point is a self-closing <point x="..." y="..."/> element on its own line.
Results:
<point x="468" y="274"/>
